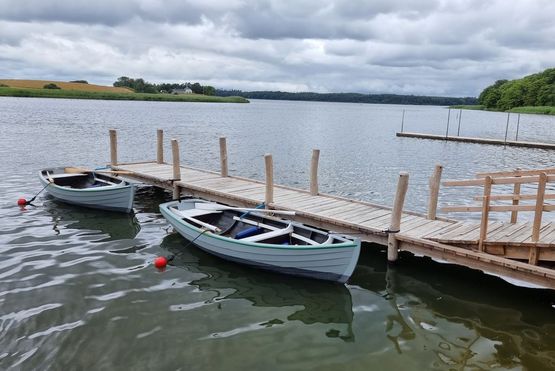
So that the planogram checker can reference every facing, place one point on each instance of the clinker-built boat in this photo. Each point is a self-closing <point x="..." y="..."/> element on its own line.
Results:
<point x="252" y="237"/>
<point x="88" y="188"/>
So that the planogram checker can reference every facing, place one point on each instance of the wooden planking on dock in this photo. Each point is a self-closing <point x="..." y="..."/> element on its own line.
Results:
<point x="368" y="220"/>
<point x="498" y="142"/>
<point x="439" y="238"/>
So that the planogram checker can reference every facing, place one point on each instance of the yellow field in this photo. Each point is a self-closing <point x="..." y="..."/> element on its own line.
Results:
<point x="38" y="84"/>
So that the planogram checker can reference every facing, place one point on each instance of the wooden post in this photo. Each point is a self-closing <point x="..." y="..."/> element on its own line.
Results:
<point x="507" y="127"/>
<point x="517" y="127"/>
<point x="485" y="213"/>
<point x="448" y="118"/>
<point x="223" y="157"/>
<point x="176" y="169"/>
<point x="269" y="198"/>
<point x="396" y="214"/>
<point x="516" y="201"/>
<point x="113" y="147"/>
<point x="403" y="121"/>
<point x="459" y="127"/>
<point x="435" y="180"/>
<point x="533" y="257"/>
<point x="160" y="146"/>
<point x="314" y="172"/>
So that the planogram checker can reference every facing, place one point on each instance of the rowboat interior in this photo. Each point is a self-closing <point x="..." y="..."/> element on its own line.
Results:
<point x="79" y="180"/>
<point x="254" y="227"/>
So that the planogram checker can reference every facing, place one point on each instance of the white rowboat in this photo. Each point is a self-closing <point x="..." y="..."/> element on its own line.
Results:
<point x="264" y="241"/>
<point x="89" y="189"/>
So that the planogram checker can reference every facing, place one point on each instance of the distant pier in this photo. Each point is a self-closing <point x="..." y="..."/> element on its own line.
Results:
<point x="497" y="142"/>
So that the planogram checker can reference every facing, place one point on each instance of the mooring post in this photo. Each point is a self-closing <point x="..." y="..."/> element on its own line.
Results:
<point x="223" y="157"/>
<point x="435" y="180"/>
<point x="448" y="118"/>
<point x="540" y="198"/>
<point x="269" y="198"/>
<point x="403" y="121"/>
<point x="314" y="172"/>
<point x="516" y="200"/>
<point x="485" y="213"/>
<point x="160" y="146"/>
<point x="176" y="169"/>
<point x="396" y="214"/>
<point x="507" y="127"/>
<point x="517" y="127"/>
<point x="113" y="147"/>
<point x="459" y="128"/>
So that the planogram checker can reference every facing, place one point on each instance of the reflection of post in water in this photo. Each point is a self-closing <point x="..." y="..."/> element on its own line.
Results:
<point x="406" y="332"/>
<point x="469" y="320"/>
<point x="322" y="302"/>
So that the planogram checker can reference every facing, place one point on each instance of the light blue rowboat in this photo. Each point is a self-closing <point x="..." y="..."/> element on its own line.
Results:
<point x="89" y="189"/>
<point x="277" y="245"/>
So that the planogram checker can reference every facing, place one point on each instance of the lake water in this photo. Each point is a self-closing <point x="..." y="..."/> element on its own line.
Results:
<point x="78" y="290"/>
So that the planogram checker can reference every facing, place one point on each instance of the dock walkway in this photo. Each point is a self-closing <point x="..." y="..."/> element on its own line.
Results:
<point x="511" y="250"/>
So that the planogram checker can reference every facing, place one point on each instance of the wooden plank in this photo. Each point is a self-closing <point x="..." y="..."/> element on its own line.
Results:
<point x="516" y="173"/>
<point x="364" y="213"/>
<point x="503" y="208"/>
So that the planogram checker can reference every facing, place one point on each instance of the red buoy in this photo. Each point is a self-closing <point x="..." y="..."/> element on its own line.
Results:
<point x="22" y="202"/>
<point x="160" y="262"/>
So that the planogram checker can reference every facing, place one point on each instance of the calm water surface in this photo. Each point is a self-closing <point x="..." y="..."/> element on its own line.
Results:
<point x="78" y="291"/>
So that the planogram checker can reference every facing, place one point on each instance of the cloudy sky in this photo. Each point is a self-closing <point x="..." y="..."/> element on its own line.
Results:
<point x="433" y="47"/>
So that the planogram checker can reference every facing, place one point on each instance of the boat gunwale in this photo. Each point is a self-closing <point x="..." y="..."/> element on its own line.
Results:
<point x="123" y="185"/>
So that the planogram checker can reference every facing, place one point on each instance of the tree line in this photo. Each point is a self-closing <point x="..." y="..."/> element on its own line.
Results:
<point x="532" y="90"/>
<point x="351" y="97"/>
<point x="139" y="85"/>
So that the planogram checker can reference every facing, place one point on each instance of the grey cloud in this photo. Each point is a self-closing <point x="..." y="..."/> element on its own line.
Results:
<point x="418" y="47"/>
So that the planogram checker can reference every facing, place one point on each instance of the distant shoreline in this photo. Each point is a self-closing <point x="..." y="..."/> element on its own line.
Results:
<point x="538" y="110"/>
<point x="78" y="94"/>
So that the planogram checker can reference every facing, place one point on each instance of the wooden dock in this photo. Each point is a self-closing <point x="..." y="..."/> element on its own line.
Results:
<point x="512" y="249"/>
<point x="497" y="142"/>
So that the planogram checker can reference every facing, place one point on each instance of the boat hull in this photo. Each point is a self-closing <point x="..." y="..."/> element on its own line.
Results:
<point x="117" y="198"/>
<point x="327" y="262"/>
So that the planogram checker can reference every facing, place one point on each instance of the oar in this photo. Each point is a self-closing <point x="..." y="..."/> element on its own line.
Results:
<point x="216" y="207"/>
<point x="81" y="170"/>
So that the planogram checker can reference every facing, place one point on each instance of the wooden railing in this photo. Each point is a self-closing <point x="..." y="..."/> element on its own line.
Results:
<point x="518" y="177"/>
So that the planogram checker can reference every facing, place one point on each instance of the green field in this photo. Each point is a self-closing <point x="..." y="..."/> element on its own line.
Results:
<point x="77" y="94"/>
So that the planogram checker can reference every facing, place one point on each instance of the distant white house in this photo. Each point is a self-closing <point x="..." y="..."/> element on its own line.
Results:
<point x="182" y="91"/>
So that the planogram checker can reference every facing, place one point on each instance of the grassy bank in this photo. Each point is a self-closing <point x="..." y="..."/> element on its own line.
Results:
<point x="108" y="95"/>
<point x="540" y="110"/>
<point x="473" y="107"/>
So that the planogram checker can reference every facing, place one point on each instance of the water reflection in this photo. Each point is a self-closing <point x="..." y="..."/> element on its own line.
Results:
<point x="116" y="226"/>
<point x="467" y="319"/>
<point x="322" y="302"/>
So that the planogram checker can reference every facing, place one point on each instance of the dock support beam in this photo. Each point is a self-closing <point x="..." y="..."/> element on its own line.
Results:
<point x="223" y="157"/>
<point x="160" y="146"/>
<point x="269" y="198"/>
<point x="176" y="169"/>
<point x="396" y="214"/>
<point x="434" y="192"/>
<point x="314" y="172"/>
<point x="113" y="147"/>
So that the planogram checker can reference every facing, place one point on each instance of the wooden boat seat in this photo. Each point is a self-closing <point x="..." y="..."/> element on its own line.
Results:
<point x="64" y="175"/>
<point x="294" y="235"/>
<point x="269" y="235"/>
<point x="191" y="213"/>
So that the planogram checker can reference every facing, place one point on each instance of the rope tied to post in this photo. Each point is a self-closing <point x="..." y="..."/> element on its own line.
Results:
<point x="389" y="231"/>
